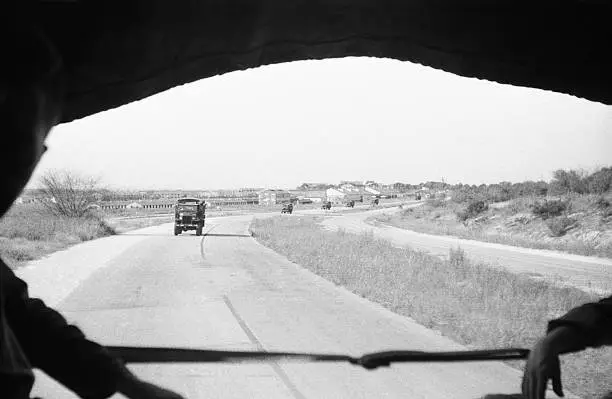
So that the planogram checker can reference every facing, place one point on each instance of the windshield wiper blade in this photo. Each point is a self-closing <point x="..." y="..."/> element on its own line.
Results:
<point x="384" y="359"/>
<point x="368" y="361"/>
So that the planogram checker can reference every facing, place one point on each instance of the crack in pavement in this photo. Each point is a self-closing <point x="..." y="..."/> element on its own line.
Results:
<point x="275" y="366"/>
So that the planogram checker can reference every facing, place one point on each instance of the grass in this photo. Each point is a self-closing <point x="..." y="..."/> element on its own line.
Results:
<point x="500" y="225"/>
<point x="474" y="304"/>
<point x="28" y="233"/>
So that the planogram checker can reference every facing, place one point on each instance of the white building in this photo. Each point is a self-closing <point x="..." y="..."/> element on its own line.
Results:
<point x="334" y="195"/>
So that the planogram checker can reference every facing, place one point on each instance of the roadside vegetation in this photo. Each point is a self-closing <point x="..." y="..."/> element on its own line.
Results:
<point x="572" y="213"/>
<point x="28" y="232"/>
<point x="474" y="304"/>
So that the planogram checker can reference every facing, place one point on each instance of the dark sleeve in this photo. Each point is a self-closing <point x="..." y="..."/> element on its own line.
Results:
<point x="594" y="320"/>
<point x="59" y="349"/>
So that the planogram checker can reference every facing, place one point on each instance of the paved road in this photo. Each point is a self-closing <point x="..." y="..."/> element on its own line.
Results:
<point x="588" y="273"/>
<point x="227" y="291"/>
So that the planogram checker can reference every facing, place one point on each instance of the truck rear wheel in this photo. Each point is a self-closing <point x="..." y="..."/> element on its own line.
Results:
<point x="177" y="230"/>
<point x="199" y="230"/>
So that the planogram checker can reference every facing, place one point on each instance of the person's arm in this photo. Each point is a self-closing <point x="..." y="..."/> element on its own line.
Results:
<point x="592" y="321"/>
<point x="63" y="352"/>
<point x="589" y="325"/>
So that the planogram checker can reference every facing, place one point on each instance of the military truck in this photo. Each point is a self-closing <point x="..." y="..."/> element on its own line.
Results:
<point x="189" y="214"/>
<point x="287" y="209"/>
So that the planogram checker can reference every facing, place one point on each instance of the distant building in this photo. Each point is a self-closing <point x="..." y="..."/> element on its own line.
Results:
<point x="308" y="196"/>
<point x="351" y="184"/>
<point x="273" y="197"/>
<point x="335" y="195"/>
<point x="372" y="191"/>
<point x="315" y="195"/>
<point x="354" y="191"/>
<point x="314" y="186"/>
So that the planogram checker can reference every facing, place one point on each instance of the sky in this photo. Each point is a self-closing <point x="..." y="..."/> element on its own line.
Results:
<point x="332" y="120"/>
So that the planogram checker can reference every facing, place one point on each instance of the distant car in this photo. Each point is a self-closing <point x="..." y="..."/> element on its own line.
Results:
<point x="189" y="214"/>
<point x="327" y="205"/>
<point x="287" y="209"/>
<point x="350" y="204"/>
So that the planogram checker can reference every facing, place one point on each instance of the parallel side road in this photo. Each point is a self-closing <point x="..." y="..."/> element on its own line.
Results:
<point x="587" y="273"/>
<point x="226" y="291"/>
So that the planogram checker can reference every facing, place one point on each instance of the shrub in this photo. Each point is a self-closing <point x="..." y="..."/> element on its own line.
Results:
<point x="600" y="181"/>
<point x="474" y="208"/>
<point x="570" y="181"/>
<point x="67" y="194"/>
<point x="477" y="207"/>
<point x="463" y="195"/>
<point x="549" y="208"/>
<point x="457" y="257"/>
<point x="461" y="215"/>
<point x="520" y="205"/>
<point x="602" y="204"/>
<point x="436" y="203"/>
<point x="558" y="226"/>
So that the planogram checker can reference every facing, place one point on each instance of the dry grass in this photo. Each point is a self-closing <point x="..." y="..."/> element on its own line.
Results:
<point x="28" y="233"/>
<point x="498" y="225"/>
<point x="474" y="304"/>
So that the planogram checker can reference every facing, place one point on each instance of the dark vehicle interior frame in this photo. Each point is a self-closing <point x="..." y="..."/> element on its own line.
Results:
<point x="112" y="53"/>
<point x="115" y="53"/>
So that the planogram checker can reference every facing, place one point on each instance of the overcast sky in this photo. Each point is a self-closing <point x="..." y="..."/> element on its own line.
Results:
<point x="326" y="121"/>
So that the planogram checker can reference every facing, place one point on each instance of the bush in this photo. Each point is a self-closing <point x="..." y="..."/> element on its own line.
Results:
<point x="549" y="208"/>
<point x="602" y="204"/>
<point x="67" y="193"/>
<point x="559" y="226"/>
<point x="436" y="203"/>
<point x="570" y="181"/>
<point x="477" y="207"/>
<point x="600" y="181"/>
<point x="474" y="208"/>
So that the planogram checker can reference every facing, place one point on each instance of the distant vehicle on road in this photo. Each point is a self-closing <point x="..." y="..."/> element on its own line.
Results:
<point x="350" y="204"/>
<point x="375" y="201"/>
<point x="326" y="205"/>
<point x="287" y="209"/>
<point x="189" y="214"/>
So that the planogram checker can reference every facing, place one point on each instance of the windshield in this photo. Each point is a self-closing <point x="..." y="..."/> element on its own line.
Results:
<point x="187" y="207"/>
<point x="430" y="213"/>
